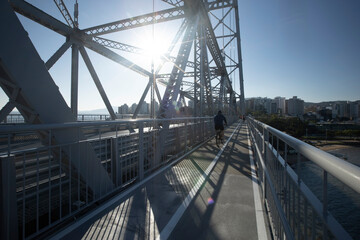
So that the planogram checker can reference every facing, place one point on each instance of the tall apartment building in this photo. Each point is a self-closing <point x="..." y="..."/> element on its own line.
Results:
<point x="346" y="110"/>
<point x="133" y="108"/>
<point x="254" y="104"/>
<point x="295" y="107"/>
<point x="280" y="105"/>
<point x="123" y="109"/>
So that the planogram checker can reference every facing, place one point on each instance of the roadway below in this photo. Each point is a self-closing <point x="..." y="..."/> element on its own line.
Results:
<point x="211" y="193"/>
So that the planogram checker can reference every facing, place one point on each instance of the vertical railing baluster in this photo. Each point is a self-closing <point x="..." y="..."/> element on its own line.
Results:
<point x="106" y="165"/>
<point x="23" y="195"/>
<point x="121" y="159"/>
<point x="313" y="224"/>
<point x="141" y="151"/>
<point x="87" y="146"/>
<point x="305" y="219"/>
<point x="278" y="164"/>
<point x="265" y="161"/>
<point x="186" y="129"/>
<point x="286" y="181"/>
<point x="49" y="173"/>
<point x="70" y="179"/>
<point x="37" y="191"/>
<point x="325" y="202"/>
<point x="298" y="192"/>
<point x="60" y="187"/>
<point x="9" y="144"/>
<point x="78" y="177"/>
<point x="293" y="215"/>
<point x="100" y="154"/>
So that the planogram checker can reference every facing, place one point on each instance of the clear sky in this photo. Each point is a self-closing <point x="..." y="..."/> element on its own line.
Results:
<point x="308" y="48"/>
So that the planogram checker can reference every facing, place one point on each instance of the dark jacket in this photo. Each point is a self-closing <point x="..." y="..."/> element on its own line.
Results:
<point x="218" y="120"/>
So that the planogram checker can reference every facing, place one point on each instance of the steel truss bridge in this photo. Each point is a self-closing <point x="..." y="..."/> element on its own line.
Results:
<point x="54" y="168"/>
<point x="201" y="71"/>
<point x="200" y="64"/>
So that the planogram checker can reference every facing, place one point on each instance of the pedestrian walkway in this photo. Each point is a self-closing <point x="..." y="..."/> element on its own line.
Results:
<point x="210" y="194"/>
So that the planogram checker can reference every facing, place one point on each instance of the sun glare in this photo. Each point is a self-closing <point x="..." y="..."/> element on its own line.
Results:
<point x="156" y="48"/>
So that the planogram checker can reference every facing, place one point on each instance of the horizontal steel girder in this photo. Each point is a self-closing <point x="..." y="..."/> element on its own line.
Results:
<point x="132" y="49"/>
<point x="139" y="21"/>
<point x="211" y="5"/>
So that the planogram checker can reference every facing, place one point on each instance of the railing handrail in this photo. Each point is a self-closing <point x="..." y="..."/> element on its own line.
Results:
<point x="346" y="172"/>
<point x="34" y="127"/>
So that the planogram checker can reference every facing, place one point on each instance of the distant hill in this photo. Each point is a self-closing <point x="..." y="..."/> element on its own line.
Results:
<point x="98" y="111"/>
<point x="95" y="111"/>
<point x="327" y="103"/>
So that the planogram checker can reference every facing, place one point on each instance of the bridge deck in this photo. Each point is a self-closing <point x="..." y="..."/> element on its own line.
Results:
<point x="210" y="194"/>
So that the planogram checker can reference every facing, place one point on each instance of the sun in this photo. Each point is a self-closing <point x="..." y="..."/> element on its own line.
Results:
<point x="156" y="48"/>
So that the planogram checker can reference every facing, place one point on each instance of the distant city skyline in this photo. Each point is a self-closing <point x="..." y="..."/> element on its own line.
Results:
<point x="306" y="48"/>
<point x="116" y="108"/>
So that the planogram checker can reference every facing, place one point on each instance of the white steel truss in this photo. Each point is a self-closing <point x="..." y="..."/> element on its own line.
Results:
<point x="213" y="66"/>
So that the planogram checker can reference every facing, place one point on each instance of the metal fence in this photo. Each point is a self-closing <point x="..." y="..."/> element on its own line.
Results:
<point x="50" y="177"/>
<point x="296" y="211"/>
<point x="16" y="118"/>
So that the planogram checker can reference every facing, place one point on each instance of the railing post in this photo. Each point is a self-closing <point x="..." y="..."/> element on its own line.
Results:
<point x="186" y="129"/>
<point x="115" y="164"/>
<point x="265" y="135"/>
<point x="8" y="211"/>
<point x="325" y="203"/>
<point x="263" y="147"/>
<point x="141" y="151"/>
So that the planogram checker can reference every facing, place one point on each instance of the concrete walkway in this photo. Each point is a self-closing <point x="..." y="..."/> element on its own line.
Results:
<point x="207" y="195"/>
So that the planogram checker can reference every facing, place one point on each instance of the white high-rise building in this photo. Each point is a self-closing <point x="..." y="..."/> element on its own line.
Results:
<point x="280" y="105"/>
<point x="123" y="109"/>
<point x="295" y="107"/>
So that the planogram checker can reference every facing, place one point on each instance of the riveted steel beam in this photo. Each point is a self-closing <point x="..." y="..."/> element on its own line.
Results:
<point x="139" y="21"/>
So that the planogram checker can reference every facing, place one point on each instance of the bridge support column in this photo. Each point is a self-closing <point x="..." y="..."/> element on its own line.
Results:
<point x="8" y="211"/>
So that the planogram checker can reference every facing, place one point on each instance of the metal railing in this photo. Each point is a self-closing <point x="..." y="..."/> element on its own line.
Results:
<point x="16" y="118"/>
<point x="49" y="180"/>
<point x="296" y="211"/>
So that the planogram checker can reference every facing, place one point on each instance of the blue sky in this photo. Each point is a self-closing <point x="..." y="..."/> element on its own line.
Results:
<point x="309" y="49"/>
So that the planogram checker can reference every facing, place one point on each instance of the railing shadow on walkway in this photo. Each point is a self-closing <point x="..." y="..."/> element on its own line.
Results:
<point x="201" y="214"/>
<point x="142" y="215"/>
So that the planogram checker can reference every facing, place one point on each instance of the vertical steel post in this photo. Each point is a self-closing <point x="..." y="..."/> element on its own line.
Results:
<point x="195" y="75"/>
<point x="238" y="41"/>
<point x="74" y="79"/>
<point x="114" y="160"/>
<point x="325" y="203"/>
<point x="141" y="151"/>
<point x="8" y="211"/>
<point x="202" y="69"/>
<point x="265" y="135"/>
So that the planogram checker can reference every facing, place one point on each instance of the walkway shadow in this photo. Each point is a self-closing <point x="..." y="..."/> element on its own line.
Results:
<point x="235" y="160"/>
<point x="146" y="212"/>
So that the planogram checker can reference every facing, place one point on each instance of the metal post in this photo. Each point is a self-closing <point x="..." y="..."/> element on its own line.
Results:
<point x="74" y="79"/>
<point x="141" y="151"/>
<point x="238" y="41"/>
<point x="186" y="130"/>
<point x="8" y="211"/>
<point x="325" y="202"/>
<point x="265" y="163"/>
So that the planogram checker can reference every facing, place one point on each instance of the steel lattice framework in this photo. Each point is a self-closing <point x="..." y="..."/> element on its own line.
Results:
<point x="201" y="65"/>
<point x="205" y="63"/>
